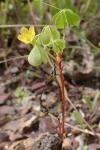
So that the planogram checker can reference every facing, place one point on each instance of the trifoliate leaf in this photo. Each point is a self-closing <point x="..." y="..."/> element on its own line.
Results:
<point x="66" y="17"/>
<point x="48" y="34"/>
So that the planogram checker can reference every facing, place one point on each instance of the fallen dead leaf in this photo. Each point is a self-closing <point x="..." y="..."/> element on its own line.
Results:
<point x="7" y="110"/>
<point x="4" y="137"/>
<point x="47" y="125"/>
<point x="37" y="86"/>
<point x="3" y="98"/>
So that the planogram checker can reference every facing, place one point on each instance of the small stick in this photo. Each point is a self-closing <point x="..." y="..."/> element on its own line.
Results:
<point x="58" y="62"/>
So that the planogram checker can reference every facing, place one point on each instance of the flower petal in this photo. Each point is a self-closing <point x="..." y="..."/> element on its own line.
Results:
<point x="23" y="39"/>
<point x="32" y="31"/>
<point x="19" y="37"/>
<point x="23" y="30"/>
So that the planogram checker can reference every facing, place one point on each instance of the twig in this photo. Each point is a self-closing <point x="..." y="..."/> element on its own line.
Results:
<point x="21" y="25"/>
<point x="15" y="58"/>
<point x="12" y="80"/>
<point x="82" y="130"/>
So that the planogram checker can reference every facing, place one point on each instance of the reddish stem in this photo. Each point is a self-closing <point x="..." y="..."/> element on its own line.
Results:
<point x="62" y="93"/>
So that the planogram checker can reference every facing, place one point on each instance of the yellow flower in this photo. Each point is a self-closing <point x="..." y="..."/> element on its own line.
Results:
<point x="26" y="35"/>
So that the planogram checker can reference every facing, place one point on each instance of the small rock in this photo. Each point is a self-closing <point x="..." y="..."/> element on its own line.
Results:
<point x="3" y="146"/>
<point x="43" y="97"/>
<point x="14" y="70"/>
<point x="66" y="145"/>
<point x="36" y="106"/>
<point x="80" y="140"/>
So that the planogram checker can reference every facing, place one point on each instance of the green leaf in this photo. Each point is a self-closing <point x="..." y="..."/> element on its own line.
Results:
<point x="48" y="34"/>
<point x="55" y="33"/>
<point x="66" y="17"/>
<point x="34" y="58"/>
<point x="97" y="96"/>
<point x="87" y="101"/>
<point x="72" y="18"/>
<point x="78" y="117"/>
<point x="37" y="56"/>
<point x="45" y="35"/>
<point x="51" y="37"/>
<point x="58" y="45"/>
<point x="21" y="92"/>
<point x="35" y="39"/>
<point x="44" y="55"/>
<point x="60" y="19"/>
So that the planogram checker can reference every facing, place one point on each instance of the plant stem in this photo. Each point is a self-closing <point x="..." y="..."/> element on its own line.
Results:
<point x="62" y="93"/>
